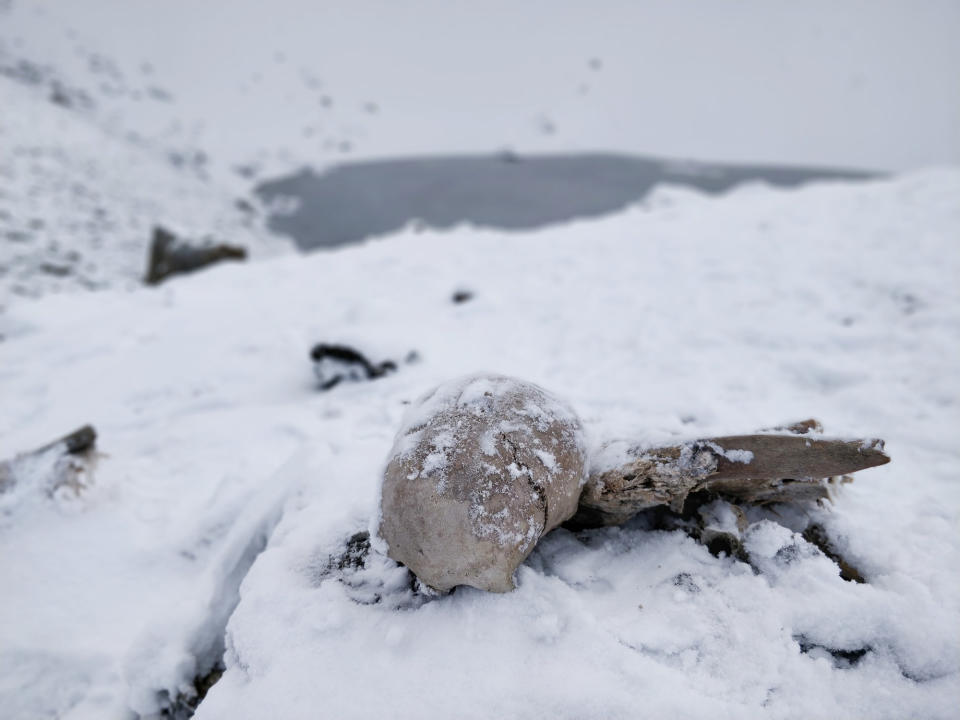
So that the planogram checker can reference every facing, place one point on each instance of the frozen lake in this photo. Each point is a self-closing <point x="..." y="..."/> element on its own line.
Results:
<point x="354" y="201"/>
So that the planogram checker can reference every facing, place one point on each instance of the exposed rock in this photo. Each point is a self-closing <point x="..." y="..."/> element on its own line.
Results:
<point x="482" y="468"/>
<point x="62" y="464"/>
<point x="185" y="704"/>
<point x="369" y="577"/>
<point x="841" y="659"/>
<point x="169" y="255"/>
<point x="334" y="364"/>
<point x="816" y="535"/>
<point x="722" y="525"/>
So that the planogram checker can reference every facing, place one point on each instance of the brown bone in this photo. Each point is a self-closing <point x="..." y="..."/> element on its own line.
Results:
<point x="796" y="457"/>
<point x="783" y="467"/>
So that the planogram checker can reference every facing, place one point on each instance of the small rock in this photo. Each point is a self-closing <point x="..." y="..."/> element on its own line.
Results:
<point x="335" y="363"/>
<point x="244" y="206"/>
<point x="62" y="464"/>
<point x="816" y="535"/>
<point x="55" y="269"/>
<point x="169" y="255"/>
<point x="722" y="525"/>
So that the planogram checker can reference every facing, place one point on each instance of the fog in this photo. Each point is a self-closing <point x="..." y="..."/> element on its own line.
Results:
<point x="870" y="85"/>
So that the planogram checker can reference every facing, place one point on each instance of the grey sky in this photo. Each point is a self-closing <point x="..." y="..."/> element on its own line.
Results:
<point x="872" y="84"/>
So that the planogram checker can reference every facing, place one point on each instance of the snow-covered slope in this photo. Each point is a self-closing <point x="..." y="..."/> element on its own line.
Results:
<point x="686" y="316"/>
<point x="79" y="199"/>
<point x="117" y="116"/>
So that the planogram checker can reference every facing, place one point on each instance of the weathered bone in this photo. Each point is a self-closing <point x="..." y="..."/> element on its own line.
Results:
<point x="756" y="469"/>
<point x="483" y="467"/>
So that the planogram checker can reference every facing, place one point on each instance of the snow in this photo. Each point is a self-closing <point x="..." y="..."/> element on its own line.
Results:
<point x="222" y="517"/>
<point x="721" y="516"/>
<point x="685" y="317"/>
<point x="731" y="454"/>
<point x="78" y="203"/>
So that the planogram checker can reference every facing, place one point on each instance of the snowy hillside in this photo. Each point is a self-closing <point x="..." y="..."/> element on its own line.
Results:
<point x="685" y="317"/>
<point x="120" y="117"/>
<point x="215" y="553"/>
<point x="79" y="199"/>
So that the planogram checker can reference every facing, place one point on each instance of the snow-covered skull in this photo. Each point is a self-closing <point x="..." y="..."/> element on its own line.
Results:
<point x="482" y="467"/>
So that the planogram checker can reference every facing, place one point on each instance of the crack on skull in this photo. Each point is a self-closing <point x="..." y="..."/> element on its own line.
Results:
<point x="537" y="487"/>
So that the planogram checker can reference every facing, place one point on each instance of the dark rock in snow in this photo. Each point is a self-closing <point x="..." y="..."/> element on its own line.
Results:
<point x="335" y="363"/>
<point x="816" y="535"/>
<point x="62" y="463"/>
<point x="79" y="441"/>
<point x="841" y="658"/>
<point x="169" y="255"/>
<point x="185" y="704"/>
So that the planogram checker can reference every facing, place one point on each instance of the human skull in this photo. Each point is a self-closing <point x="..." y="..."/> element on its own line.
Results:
<point x="481" y="469"/>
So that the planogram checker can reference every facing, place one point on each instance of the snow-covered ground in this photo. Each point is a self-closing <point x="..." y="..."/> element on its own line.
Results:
<point x="686" y="316"/>
<point x="218" y="520"/>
